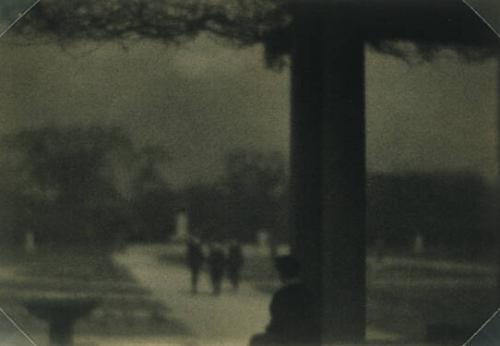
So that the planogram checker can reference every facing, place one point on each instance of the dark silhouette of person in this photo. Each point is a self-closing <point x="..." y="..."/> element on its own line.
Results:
<point x="234" y="263"/>
<point x="216" y="263"/>
<point x="293" y="311"/>
<point x="195" y="260"/>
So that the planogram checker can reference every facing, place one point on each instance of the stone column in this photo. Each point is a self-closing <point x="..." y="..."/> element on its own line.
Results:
<point x="496" y="218"/>
<point x="328" y="165"/>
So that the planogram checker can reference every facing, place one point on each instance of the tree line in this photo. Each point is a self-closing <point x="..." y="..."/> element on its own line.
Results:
<point x="455" y="213"/>
<point x="92" y="185"/>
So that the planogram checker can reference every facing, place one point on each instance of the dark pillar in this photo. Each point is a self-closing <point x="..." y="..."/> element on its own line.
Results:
<point x="328" y="165"/>
<point x="496" y="212"/>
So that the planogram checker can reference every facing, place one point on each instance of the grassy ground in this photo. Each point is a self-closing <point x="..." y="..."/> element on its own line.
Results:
<point x="407" y="297"/>
<point x="397" y="299"/>
<point x="125" y="308"/>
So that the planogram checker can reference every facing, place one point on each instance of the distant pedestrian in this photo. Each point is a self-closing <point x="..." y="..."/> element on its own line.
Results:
<point x="293" y="312"/>
<point x="235" y="263"/>
<point x="216" y="263"/>
<point x="195" y="260"/>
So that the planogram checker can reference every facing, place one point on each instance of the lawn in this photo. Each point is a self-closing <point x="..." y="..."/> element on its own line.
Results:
<point x="125" y="308"/>
<point x="406" y="295"/>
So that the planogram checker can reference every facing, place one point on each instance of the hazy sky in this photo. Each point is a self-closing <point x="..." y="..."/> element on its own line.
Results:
<point x="440" y="115"/>
<point x="203" y="99"/>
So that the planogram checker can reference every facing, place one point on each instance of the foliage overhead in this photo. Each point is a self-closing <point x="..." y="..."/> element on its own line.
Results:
<point x="249" y="22"/>
<point x="240" y="22"/>
<point x="168" y="20"/>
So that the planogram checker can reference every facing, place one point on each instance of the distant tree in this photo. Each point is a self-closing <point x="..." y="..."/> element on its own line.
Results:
<point x="151" y="159"/>
<point x="63" y="190"/>
<point x="449" y="210"/>
<point x="255" y="183"/>
<point x="207" y="205"/>
<point x="153" y="199"/>
<point x="250" y="196"/>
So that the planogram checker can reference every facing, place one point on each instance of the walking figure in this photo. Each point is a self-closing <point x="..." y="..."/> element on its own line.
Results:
<point x="216" y="263"/>
<point x="195" y="260"/>
<point x="235" y="263"/>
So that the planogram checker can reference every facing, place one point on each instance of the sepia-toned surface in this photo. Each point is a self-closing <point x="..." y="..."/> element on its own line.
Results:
<point x="108" y="139"/>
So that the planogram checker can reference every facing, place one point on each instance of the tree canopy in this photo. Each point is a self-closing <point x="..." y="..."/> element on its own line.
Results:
<point x="249" y="197"/>
<point x="451" y="211"/>
<point x="83" y="184"/>
<point x="240" y="22"/>
<point x="246" y="22"/>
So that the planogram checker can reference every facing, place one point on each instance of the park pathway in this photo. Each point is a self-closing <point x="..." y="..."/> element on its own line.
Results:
<point x="229" y="319"/>
<point x="226" y="320"/>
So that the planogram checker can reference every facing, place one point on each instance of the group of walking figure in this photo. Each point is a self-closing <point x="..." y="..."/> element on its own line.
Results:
<point x="222" y="260"/>
<point x="293" y="310"/>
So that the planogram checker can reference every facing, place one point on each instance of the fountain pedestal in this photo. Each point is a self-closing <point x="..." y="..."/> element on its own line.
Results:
<point x="61" y="314"/>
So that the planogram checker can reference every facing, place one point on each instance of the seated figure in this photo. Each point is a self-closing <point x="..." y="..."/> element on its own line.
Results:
<point x="293" y="315"/>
